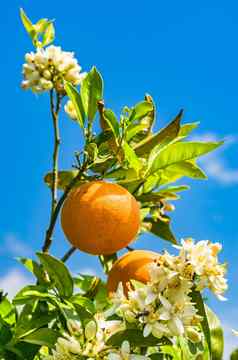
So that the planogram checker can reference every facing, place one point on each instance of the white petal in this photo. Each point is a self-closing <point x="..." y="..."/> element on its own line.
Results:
<point x="114" y="357"/>
<point x="125" y="348"/>
<point x="147" y="330"/>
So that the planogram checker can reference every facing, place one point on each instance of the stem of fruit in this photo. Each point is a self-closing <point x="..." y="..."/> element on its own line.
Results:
<point x="55" y="214"/>
<point x="54" y="188"/>
<point x="68" y="254"/>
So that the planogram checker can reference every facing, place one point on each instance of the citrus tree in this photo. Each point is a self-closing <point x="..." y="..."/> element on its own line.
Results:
<point x="151" y="305"/>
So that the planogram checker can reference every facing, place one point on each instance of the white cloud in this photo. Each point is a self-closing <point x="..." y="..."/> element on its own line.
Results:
<point x="14" y="246"/>
<point x="13" y="281"/>
<point x="214" y="164"/>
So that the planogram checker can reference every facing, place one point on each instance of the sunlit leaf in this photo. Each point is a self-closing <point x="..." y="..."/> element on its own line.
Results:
<point x="27" y="24"/>
<point x="131" y="157"/>
<point x="186" y="129"/>
<point x="141" y="110"/>
<point x="217" y="337"/>
<point x="49" y="34"/>
<point x="42" y="337"/>
<point x="107" y="261"/>
<point x="198" y="300"/>
<point x="112" y="122"/>
<point x="91" y="92"/>
<point x="58" y="273"/>
<point x="167" y="134"/>
<point x="76" y="99"/>
<point x="181" y="151"/>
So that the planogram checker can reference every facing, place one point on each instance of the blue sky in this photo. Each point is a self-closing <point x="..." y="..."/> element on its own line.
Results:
<point x="184" y="54"/>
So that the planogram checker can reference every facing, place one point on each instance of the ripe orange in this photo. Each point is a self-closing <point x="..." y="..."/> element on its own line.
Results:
<point x="100" y="218"/>
<point x="132" y="265"/>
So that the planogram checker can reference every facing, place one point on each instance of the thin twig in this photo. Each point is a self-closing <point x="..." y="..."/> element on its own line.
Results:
<point x="54" y="193"/>
<point x="68" y="254"/>
<point x="130" y="248"/>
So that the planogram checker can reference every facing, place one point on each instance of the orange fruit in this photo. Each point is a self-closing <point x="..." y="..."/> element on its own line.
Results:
<point x="100" y="218"/>
<point x="132" y="265"/>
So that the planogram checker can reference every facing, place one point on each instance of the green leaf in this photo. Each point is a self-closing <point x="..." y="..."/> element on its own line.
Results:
<point x="91" y="92"/>
<point x="107" y="261"/>
<point x="31" y="323"/>
<point x="198" y="300"/>
<point x="181" y="151"/>
<point x="131" y="157"/>
<point x="86" y="283"/>
<point x="132" y="130"/>
<point x="140" y="110"/>
<point x="76" y="99"/>
<point x="49" y="34"/>
<point x="217" y="337"/>
<point x="42" y="337"/>
<point x="161" y="229"/>
<point x="234" y="355"/>
<point x="83" y="302"/>
<point x="135" y="338"/>
<point x="27" y="24"/>
<point x="58" y="274"/>
<point x="167" y="134"/>
<point x="7" y="311"/>
<point x="65" y="177"/>
<point x="112" y="122"/>
<point x="186" y="129"/>
<point x="30" y="293"/>
<point x="34" y="268"/>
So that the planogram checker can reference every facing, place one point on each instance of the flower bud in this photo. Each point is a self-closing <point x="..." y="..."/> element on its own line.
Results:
<point x="90" y="330"/>
<point x="74" y="327"/>
<point x="193" y="335"/>
<point x="47" y="74"/>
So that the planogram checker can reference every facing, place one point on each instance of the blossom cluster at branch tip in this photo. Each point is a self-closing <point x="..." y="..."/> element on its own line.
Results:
<point x="47" y="68"/>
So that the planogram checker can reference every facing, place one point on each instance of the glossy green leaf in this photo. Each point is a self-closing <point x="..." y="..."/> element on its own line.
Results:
<point x="84" y="302"/>
<point x="217" y="337"/>
<point x="27" y="24"/>
<point x="167" y="134"/>
<point x="91" y="92"/>
<point x="112" y="122"/>
<point x="42" y="337"/>
<point x="30" y="293"/>
<point x="181" y="151"/>
<point x="161" y="229"/>
<point x="133" y="130"/>
<point x="198" y="300"/>
<point x="186" y="129"/>
<point x="58" y="273"/>
<point x="86" y="283"/>
<point x="49" y="34"/>
<point x="34" y="268"/>
<point x="7" y="311"/>
<point x="130" y="155"/>
<point x="141" y="110"/>
<point x="76" y="99"/>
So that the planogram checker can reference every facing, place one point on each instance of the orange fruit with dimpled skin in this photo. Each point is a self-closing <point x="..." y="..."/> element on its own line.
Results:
<point x="100" y="218"/>
<point x="132" y="265"/>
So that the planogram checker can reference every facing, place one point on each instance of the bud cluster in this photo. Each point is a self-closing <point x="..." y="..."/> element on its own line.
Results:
<point x="47" y="68"/>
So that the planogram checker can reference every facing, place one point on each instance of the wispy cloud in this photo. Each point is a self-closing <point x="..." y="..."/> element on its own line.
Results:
<point x="215" y="164"/>
<point x="13" y="281"/>
<point x="14" y="246"/>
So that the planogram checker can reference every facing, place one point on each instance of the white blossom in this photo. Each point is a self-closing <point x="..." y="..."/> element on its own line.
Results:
<point x="47" y="68"/>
